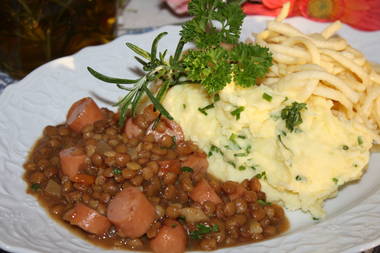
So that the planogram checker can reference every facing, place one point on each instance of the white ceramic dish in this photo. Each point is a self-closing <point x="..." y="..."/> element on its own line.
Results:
<point x="43" y="97"/>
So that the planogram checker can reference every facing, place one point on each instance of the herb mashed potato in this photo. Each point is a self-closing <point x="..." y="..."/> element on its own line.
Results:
<point x="245" y="136"/>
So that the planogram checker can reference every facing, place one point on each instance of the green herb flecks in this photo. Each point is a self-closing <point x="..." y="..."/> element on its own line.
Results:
<point x="267" y="97"/>
<point x="202" y="230"/>
<point x="35" y="187"/>
<point x="214" y="149"/>
<point x="116" y="171"/>
<point x="241" y="167"/>
<point x="345" y="147"/>
<point x="261" y="175"/>
<point x="186" y="169"/>
<point x="292" y="115"/>
<point x="282" y="143"/>
<point x="237" y="112"/>
<point x="204" y="109"/>
<point x="335" y="180"/>
<point x="263" y="202"/>
<point x="232" y="164"/>
<point x="360" y="140"/>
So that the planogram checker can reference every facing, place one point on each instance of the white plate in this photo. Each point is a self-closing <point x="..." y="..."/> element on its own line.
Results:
<point x="43" y="97"/>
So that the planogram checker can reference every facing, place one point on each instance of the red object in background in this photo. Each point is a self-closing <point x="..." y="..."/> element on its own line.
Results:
<point x="360" y="14"/>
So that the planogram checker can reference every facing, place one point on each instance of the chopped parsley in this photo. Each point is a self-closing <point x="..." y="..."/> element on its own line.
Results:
<point x="241" y="168"/>
<point x="215" y="149"/>
<point x="263" y="202"/>
<point x="345" y="147"/>
<point x="315" y="219"/>
<point x="253" y="167"/>
<point x="204" y="109"/>
<point x="186" y="169"/>
<point x="216" y="98"/>
<point x="267" y="97"/>
<point x="335" y="180"/>
<point x="174" y="225"/>
<point x="298" y="178"/>
<point x="202" y="230"/>
<point x="261" y="175"/>
<point x="184" y="106"/>
<point x="232" y="164"/>
<point x="35" y="186"/>
<point x="360" y="140"/>
<point x="292" y="115"/>
<point x="242" y="137"/>
<point x="240" y="154"/>
<point x="282" y="143"/>
<point x="181" y="219"/>
<point x="237" y="112"/>
<point x="116" y="171"/>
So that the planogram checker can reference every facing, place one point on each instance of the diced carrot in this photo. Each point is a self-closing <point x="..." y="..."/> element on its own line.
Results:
<point x="88" y="219"/>
<point x="131" y="212"/>
<point x="240" y="190"/>
<point x="71" y="161"/>
<point x="170" y="239"/>
<point x="172" y="129"/>
<point x="170" y="166"/>
<point x="131" y="129"/>
<point x="198" y="162"/>
<point x="82" y="113"/>
<point x="84" y="179"/>
<point x="203" y="192"/>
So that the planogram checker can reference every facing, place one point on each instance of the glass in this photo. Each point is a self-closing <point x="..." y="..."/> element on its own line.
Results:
<point x="33" y="32"/>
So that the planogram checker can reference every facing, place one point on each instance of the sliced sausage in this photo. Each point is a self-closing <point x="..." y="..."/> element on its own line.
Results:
<point x="173" y="166"/>
<point x="131" y="129"/>
<point x="198" y="162"/>
<point x="72" y="159"/>
<point x="131" y="212"/>
<point x="171" y="129"/>
<point x="87" y="219"/>
<point x="170" y="239"/>
<point x="82" y="113"/>
<point x="203" y="192"/>
<point x="239" y="192"/>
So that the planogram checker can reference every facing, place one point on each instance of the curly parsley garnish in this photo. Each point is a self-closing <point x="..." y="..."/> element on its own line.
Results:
<point x="211" y="64"/>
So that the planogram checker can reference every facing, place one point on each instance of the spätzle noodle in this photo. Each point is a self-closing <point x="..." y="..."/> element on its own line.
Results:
<point x="324" y="65"/>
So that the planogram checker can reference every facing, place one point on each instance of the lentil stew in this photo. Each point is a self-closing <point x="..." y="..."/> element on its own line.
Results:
<point x="143" y="187"/>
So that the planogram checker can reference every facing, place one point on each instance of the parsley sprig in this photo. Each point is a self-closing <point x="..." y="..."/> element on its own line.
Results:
<point x="212" y="64"/>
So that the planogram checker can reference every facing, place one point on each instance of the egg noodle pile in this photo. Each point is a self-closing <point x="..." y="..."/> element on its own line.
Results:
<point x="323" y="65"/>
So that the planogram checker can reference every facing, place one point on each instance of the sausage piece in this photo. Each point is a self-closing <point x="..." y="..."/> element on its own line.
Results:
<point x="198" y="162"/>
<point x="170" y="239"/>
<point x="131" y="129"/>
<point x="172" y="129"/>
<point x="71" y="161"/>
<point x="173" y="166"/>
<point x="87" y="219"/>
<point x="131" y="212"/>
<point x="82" y="113"/>
<point x="203" y="192"/>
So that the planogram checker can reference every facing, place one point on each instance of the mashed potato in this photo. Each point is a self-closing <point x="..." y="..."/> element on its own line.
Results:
<point x="298" y="169"/>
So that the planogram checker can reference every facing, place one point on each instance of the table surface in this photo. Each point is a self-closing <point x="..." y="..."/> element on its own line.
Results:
<point x="138" y="17"/>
